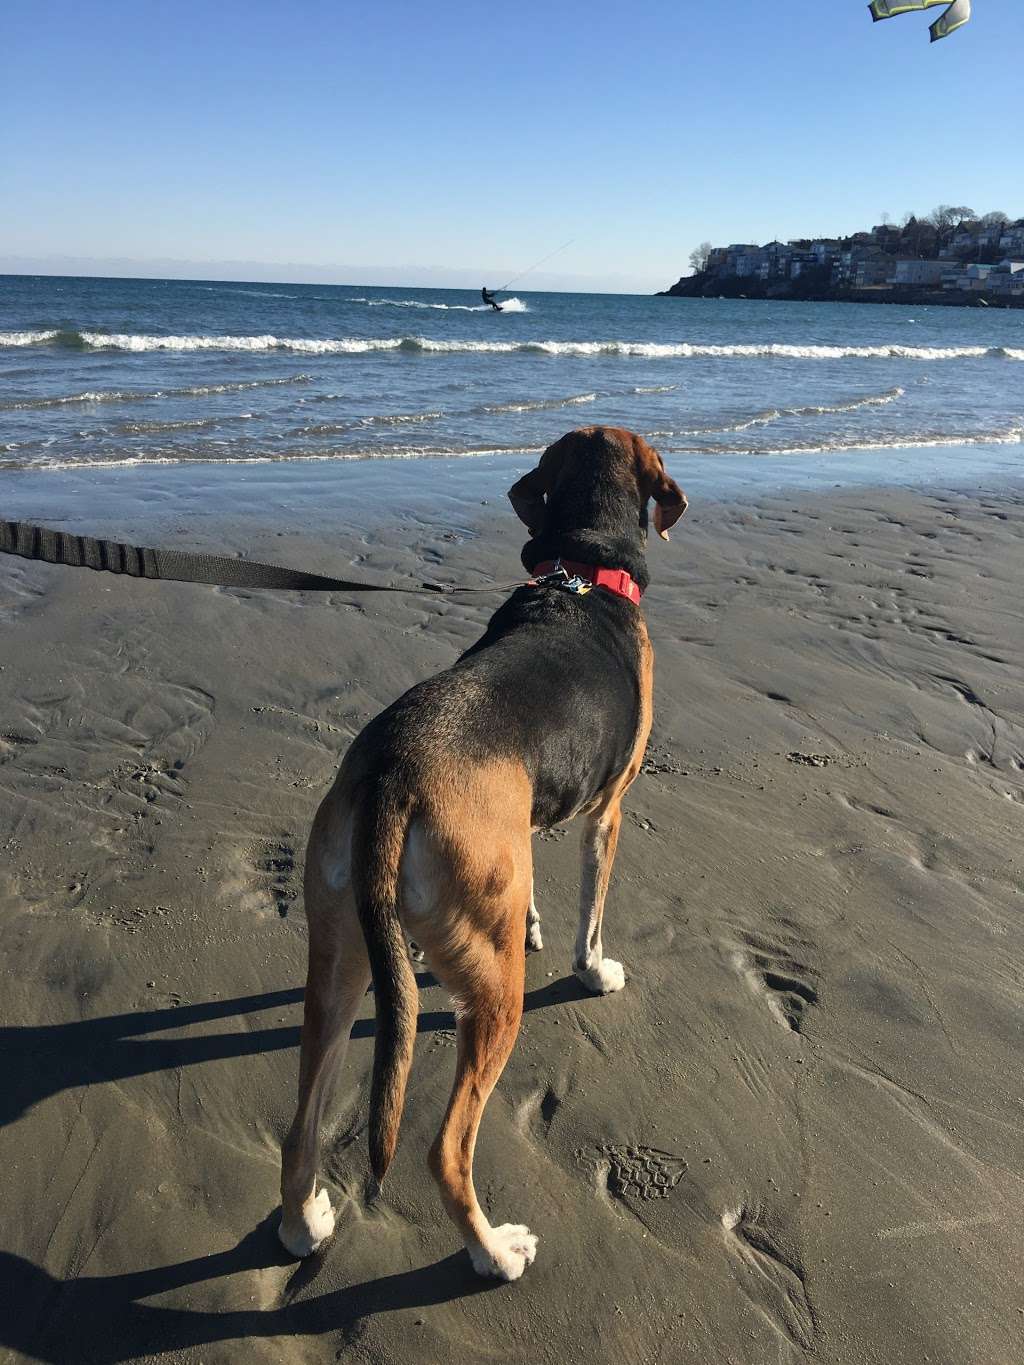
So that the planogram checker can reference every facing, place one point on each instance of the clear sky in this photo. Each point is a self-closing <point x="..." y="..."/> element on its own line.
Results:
<point x="449" y="142"/>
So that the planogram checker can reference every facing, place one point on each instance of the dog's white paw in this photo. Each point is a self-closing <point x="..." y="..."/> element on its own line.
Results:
<point x="534" y="942"/>
<point x="313" y="1228"/>
<point x="606" y="977"/>
<point x="506" y="1253"/>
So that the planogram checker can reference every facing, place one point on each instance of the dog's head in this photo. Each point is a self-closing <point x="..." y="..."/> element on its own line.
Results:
<point x="590" y="494"/>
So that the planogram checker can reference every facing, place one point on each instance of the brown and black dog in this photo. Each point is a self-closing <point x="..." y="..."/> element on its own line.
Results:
<point x="426" y="831"/>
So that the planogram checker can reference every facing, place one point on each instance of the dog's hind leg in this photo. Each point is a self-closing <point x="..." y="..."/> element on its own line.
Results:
<point x="339" y="973"/>
<point x="488" y="981"/>
<point x="600" y="838"/>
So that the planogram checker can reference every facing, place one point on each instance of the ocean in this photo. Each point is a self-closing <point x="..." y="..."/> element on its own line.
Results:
<point x="98" y="373"/>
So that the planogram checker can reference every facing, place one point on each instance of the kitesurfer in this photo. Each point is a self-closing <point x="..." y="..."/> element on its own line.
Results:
<point x="488" y="297"/>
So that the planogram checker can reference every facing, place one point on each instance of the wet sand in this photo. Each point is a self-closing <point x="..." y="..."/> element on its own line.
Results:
<point x="798" y="1133"/>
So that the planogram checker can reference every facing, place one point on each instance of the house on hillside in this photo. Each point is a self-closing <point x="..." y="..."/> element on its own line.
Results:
<point x="912" y="273"/>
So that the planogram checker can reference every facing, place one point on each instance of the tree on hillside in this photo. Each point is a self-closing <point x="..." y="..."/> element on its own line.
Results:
<point x="917" y="236"/>
<point x="997" y="219"/>
<point x="945" y="217"/>
<point x="699" y="257"/>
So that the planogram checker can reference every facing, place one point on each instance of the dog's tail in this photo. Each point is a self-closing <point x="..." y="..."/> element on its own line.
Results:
<point x="381" y="819"/>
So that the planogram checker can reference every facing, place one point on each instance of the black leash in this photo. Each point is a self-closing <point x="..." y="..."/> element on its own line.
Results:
<point x="180" y="566"/>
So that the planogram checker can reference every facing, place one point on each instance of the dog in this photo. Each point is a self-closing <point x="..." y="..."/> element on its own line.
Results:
<point x="426" y="833"/>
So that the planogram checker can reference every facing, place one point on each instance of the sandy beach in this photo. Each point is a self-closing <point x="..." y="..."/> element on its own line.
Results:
<point x="797" y="1134"/>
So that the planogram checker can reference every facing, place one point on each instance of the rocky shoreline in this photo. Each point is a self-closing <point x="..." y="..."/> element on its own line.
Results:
<point x="708" y="286"/>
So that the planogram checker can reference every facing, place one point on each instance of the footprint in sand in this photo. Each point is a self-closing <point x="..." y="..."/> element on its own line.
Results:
<point x="275" y="871"/>
<point x="643" y="1172"/>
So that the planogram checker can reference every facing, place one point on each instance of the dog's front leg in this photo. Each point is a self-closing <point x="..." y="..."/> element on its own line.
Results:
<point x="534" y="942"/>
<point x="600" y="837"/>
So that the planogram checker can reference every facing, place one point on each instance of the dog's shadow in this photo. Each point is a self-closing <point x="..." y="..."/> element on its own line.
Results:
<point x="41" y="1061"/>
<point x="101" y="1319"/>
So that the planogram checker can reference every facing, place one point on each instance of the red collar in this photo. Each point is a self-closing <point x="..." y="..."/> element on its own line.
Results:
<point x="617" y="581"/>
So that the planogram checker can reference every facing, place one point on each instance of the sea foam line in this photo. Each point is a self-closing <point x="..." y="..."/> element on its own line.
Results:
<point x="648" y="350"/>
<point x="296" y="457"/>
<point x="1011" y="437"/>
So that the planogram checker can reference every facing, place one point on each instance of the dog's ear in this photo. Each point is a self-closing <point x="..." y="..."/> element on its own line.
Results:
<point x="527" y="499"/>
<point x="670" y="502"/>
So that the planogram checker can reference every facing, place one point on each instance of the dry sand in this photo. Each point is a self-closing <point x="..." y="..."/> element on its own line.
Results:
<point x="797" y="1134"/>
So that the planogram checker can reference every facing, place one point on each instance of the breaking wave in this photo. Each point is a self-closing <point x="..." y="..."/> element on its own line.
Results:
<point x="184" y="424"/>
<point x="541" y="404"/>
<point x="386" y="419"/>
<point x="648" y="350"/>
<point x="147" y="395"/>
<point x="762" y="419"/>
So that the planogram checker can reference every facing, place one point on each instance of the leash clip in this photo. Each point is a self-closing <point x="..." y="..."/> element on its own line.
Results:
<point x="558" y="577"/>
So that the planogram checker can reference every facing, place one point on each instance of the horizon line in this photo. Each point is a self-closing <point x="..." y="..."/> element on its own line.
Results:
<point x="72" y="267"/>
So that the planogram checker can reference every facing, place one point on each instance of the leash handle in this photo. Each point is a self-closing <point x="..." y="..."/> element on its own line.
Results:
<point x="80" y="552"/>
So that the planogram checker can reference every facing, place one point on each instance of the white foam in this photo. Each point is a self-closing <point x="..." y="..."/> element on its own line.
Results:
<point x="648" y="350"/>
<point x="512" y="305"/>
<point x="125" y="341"/>
<point x="386" y="419"/>
<point x="325" y="457"/>
<point x="1011" y="437"/>
<point x="183" y="424"/>
<point x="761" y="419"/>
<point x="542" y="404"/>
<point x="27" y="338"/>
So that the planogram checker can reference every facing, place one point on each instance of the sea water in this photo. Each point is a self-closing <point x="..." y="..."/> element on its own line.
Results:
<point x="98" y="373"/>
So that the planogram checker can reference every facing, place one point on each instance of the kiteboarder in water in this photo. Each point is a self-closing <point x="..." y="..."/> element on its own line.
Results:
<point x="488" y="297"/>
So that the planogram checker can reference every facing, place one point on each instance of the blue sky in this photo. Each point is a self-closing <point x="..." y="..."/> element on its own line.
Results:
<point x="448" y="143"/>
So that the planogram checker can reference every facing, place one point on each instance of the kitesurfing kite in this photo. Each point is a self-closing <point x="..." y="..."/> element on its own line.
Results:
<point x="955" y="16"/>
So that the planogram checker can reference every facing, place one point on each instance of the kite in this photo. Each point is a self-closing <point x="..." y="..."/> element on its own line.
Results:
<point x="955" y="16"/>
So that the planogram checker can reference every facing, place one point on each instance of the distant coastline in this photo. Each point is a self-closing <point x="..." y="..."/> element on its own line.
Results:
<point x="708" y="287"/>
<point x="952" y="257"/>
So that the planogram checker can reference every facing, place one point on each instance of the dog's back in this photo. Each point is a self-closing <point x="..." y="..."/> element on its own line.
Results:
<point x="555" y="684"/>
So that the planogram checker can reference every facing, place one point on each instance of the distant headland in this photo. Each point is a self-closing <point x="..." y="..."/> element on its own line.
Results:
<point x="951" y="256"/>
